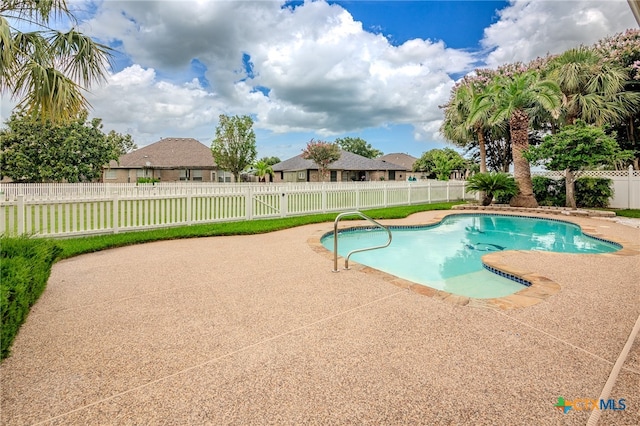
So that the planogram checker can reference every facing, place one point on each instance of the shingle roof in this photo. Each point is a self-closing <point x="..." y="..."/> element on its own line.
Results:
<point x="401" y="159"/>
<point x="172" y="153"/>
<point x="347" y="161"/>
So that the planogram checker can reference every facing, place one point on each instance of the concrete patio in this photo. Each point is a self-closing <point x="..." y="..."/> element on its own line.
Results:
<point x="257" y="330"/>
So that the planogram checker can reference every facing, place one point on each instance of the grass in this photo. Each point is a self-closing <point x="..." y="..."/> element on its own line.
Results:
<point x="633" y="213"/>
<point x="76" y="246"/>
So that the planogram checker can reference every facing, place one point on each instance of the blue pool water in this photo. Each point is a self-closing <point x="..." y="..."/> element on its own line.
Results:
<point x="447" y="256"/>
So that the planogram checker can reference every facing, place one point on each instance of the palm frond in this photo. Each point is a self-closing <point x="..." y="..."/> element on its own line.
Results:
<point x="37" y="12"/>
<point x="81" y="58"/>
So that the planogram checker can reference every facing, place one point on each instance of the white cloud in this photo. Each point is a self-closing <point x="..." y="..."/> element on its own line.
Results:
<point x="134" y="101"/>
<point x="528" y="29"/>
<point x="314" y="69"/>
<point x="324" y="73"/>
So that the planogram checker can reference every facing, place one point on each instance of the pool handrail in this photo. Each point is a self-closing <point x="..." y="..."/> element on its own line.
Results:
<point x="335" y="238"/>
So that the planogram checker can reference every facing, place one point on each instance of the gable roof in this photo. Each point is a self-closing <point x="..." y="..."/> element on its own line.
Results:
<point x="347" y="161"/>
<point x="401" y="159"/>
<point x="169" y="153"/>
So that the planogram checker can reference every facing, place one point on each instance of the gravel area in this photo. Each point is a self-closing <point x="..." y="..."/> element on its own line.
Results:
<point x="253" y="330"/>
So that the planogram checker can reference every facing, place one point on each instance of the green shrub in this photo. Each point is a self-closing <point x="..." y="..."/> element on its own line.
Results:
<point x="492" y="184"/>
<point x="549" y="192"/>
<point x="590" y="192"/>
<point x="147" y="180"/>
<point x="25" y="265"/>
<point x="593" y="192"/>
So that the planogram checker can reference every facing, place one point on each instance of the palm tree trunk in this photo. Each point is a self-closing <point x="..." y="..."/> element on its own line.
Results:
<point x="570" y="183"/>
<point x="483" y="150"/>
<point x="519" y="124"/>
<point x="483" y="164"/>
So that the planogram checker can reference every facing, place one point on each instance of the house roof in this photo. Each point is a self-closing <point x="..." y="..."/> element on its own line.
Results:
<point x="347" y="161"/>
<point x="169" y="153"/>
<point x="401" y="159"/>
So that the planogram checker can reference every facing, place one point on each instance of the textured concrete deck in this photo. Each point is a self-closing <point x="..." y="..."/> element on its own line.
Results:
<point x="258" y="330"/>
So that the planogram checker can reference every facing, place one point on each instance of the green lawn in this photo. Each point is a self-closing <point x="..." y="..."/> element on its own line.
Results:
<point x="634" y="213"/>
<point x="76" y="246"/>
<point x="51" y="217"/>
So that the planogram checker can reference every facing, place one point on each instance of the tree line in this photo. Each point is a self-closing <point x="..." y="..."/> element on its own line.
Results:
<point x="494" y="114"/>
<point x="497" y="114"/>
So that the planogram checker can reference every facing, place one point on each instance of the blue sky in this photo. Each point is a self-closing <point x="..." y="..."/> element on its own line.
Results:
<point x="316" y="70"/>
<point x="404" y="20"/>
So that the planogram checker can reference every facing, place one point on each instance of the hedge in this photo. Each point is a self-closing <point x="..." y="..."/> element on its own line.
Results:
<point x="25" y="266"/>
<point x="589" y="191"/>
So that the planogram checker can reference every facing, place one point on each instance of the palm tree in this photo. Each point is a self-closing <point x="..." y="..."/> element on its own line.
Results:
<point x="47" y="69"/>
<point x="514" y="98"/>
<point x="593" y="89"/>
<point x="262" y="169"/>
<point x="492" y="184"/>
<point x="456" y="126"/>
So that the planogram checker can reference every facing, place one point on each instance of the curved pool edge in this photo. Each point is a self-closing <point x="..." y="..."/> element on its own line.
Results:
<point x="541" y="287"/>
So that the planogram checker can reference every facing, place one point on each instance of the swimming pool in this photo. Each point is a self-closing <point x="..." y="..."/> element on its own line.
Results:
<point x="447" y="256"/>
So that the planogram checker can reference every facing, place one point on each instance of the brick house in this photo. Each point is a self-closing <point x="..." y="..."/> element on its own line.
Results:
<point x="350" y="167"/>
<point x="169" y="160"/>
<point x="404" y="160"/>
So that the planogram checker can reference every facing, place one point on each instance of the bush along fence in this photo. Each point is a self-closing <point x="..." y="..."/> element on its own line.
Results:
<point x="25" y="265"/>
<point x="85" y="209"/>
<point x="624" y="183"/>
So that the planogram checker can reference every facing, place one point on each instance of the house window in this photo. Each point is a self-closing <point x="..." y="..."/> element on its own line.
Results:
<point x="349" y="176"/>
<point x="141" y="173"/>
<point x="184" y="174"/>
<point x="224" y="177"/>
<point x="111" y="174"/>
<point x="301" y="175"/>
<point x="334" y="176"/>
<point x="392" y="175"/>
<point x="196" y="175"/>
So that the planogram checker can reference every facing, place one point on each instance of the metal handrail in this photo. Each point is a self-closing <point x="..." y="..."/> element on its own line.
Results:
<point x="335" y="238"/>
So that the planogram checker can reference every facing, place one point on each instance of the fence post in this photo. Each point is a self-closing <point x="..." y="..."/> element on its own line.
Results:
<point x="189" y="207"/>
<point x="324" y="197"/>
<point x="116" y="213"/>
<point x="20" y="214"/>
<point x="248" y="202"/>
<point x="409" y="191"/>
<point x="629" y="183"/>
<point x="385" y="197"/>
<point x="428" y="191"/>
<point x="284" y="205"/>
<point x="448" y="186"/>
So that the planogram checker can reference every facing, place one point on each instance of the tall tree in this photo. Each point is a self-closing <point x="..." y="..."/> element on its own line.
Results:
<point x="513" y="98"/>
<point x="457" y="127"/>
<point x="624" y="50"/>
<point x="270" y="161"/>
<point x="234" y="147"/>
<point x="439" y="162"/>
<point x="358" y="146"/>
<point x="33" y="150"/>
<point x="593" y="89"/>
<point x="47" y="69"/>
<point x="322" y="154"/>
<point x="574" y="149"/>
<point x="123" y="143"/>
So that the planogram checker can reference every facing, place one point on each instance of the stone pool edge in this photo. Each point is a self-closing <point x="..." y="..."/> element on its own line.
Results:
<point x="541" y="287"/>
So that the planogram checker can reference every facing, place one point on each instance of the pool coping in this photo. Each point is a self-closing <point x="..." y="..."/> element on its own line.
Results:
<point x="541" y="287"/>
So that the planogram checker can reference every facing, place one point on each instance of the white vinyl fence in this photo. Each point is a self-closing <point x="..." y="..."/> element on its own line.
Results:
<point x="62" y="210"/>
<point x="626" y="185"/>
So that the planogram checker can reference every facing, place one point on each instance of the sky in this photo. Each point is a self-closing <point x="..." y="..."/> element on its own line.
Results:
<point x="378" y="70"/>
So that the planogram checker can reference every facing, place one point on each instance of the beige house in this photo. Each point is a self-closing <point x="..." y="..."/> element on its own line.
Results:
<point x="168" y="160"/>
<point x="404" y="160"/>
<point x="350" y="167"/>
